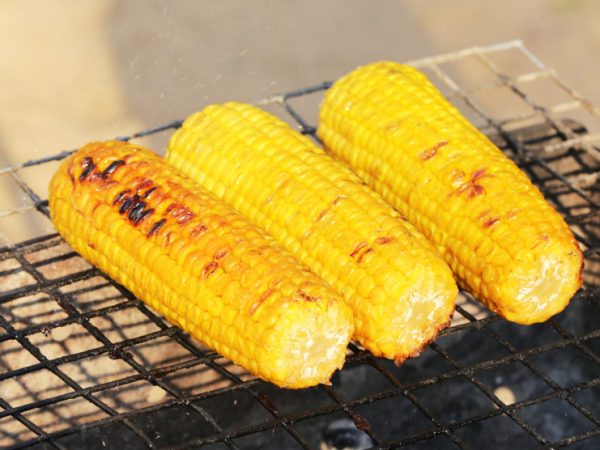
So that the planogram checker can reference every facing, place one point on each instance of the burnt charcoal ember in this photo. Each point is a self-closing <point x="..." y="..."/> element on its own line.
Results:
<point x="343" y="434"/>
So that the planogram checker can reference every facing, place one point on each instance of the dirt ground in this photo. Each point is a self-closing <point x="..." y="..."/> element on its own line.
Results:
<point x="79" y="71"/>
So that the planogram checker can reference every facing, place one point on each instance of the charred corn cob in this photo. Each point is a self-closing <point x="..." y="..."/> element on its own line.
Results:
<point x="505" y="243"/>
<point x="199" y="263"/>
<point x="400" y="290"/>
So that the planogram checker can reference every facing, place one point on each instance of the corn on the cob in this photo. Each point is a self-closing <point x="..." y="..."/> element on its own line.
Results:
<point x="199" y="263"/>
<point x="505" y="243"/>
<point x="400" y="290"/>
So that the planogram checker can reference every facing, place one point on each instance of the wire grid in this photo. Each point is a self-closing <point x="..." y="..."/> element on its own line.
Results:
<point x="84" y="363"/>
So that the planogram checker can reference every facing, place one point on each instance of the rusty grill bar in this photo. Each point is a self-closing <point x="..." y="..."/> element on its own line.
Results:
<point x="85" y="364"/>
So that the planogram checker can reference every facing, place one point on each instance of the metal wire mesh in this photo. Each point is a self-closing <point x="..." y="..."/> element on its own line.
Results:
<point x="83" y="364"/>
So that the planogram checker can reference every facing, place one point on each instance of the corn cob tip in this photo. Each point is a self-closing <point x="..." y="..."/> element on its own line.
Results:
<point x="313" y="348"/>
<point x="543" y="286"/>
<point x="415" y="320"/>
<point x="435" y="330"/>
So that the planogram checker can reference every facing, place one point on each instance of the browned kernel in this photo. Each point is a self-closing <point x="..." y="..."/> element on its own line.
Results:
<point x="338" y="199"/>
<point x="198" y="230"/>
<point x="156" y="227"/>
<point x="209" y="269"/>
<point x="367" y="251"/>
<point x="488" y="223"/>
<point x="144" y="215"/>
<point x="146" y="183"/>
<point x="149" y="191"/>
<point x="185" y="217"/>
<point x="260" y="300"/>
<point x="87" y="164"/>
<point x="120" y="196"/>
<point x="136" y="210"/>
<point x="358" y="248"/>
<point x="307" y="297"/>
<point x="475" y="190"/>
<point x="220" y="254"/>
<point x="112" y="167"/>
<point x="126" y="205"/>
<point x="431" y="152"/>
<point x="480" y="173"/>
<point x="382" y="240"/>
<point x="321" y="214"/>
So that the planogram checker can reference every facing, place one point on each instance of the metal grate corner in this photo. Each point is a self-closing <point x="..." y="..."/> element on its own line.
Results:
<point x="84" y="364"/>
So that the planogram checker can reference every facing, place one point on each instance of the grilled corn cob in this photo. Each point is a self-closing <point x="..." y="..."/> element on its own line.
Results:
<point x="400" y="290"/>
<point x="505" y="243"/>
<point x="199" y="263"/>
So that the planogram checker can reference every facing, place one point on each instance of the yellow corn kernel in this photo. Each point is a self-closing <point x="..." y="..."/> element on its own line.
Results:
<point x="322" y="213"/>
<point x="505" y="243"/>
<point x="177" y="247"/>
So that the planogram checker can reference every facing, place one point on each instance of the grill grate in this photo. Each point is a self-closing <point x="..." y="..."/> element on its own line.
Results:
<point x="85" y="364"/>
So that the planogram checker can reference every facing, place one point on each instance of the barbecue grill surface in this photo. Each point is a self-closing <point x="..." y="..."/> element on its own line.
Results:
<point x="83" y="364"/>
